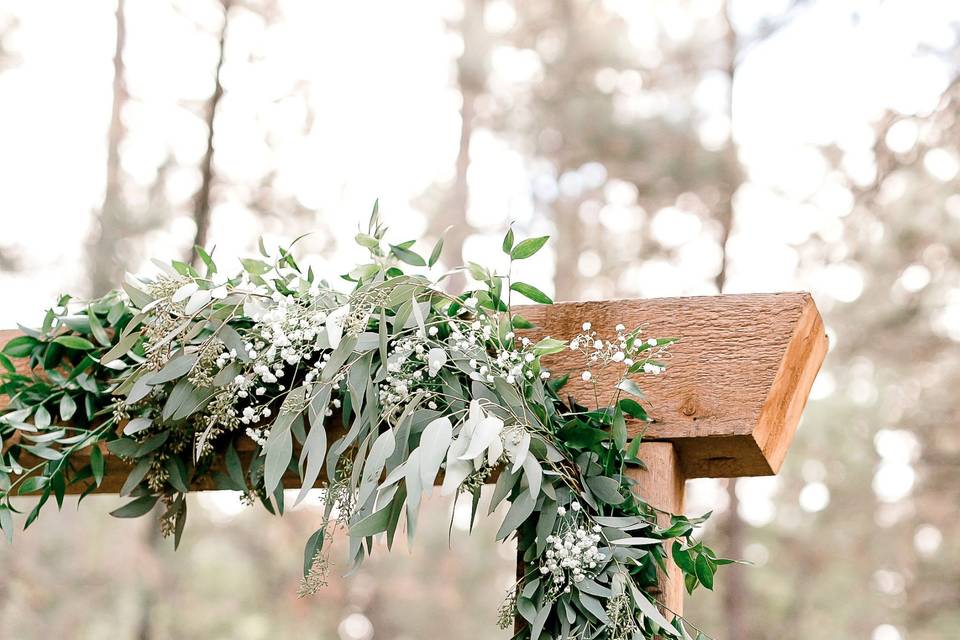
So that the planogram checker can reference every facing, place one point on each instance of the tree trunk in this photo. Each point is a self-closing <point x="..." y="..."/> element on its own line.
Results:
<point x="202" y="199"/>
<point x="104" y="262"/>
<point x="471" y="80"/>
<point x="735" y="590"/>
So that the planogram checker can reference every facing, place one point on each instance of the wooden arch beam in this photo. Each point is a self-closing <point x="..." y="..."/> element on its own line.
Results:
<point x="728" y="406"/>
<point x="736" y="386"/>
<point x="737" y="382"/>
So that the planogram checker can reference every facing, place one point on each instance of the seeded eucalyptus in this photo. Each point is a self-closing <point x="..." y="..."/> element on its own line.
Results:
<point x="245" y="381"/>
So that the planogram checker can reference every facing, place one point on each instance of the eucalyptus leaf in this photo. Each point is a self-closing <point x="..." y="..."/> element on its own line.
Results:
<point x="521" y="509"/>
<point x="136" y="508"/>
<point x="434" y="443"/>
<point x="607" y="489"/>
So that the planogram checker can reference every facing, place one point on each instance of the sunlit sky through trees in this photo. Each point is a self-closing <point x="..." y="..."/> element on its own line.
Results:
<point x="331" y="105"/>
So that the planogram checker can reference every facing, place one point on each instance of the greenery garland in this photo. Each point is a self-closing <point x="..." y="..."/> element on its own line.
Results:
<point x="180" y="373"/>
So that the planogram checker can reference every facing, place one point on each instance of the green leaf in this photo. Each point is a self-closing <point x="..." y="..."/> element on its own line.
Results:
<point x="137" y="474"/>
<point x="593" y="605"/>
<point x="682" y="558"/>
<point x="207" y="259"/>
<point x="178" y="367"/>
<point x="42" y="418"/>
<point x="636" y="542"/>
<point x="437" y="250"/>
<point x="527" y="609"/>
<point x="124" y="447"/>
<point x="549" y="345"/>
<point x="67" y="407"/>
<point x="338" y="357"/>
<point x="314" y="449"/>
<point x="279" y="447"/>
<point x="136" y="507"/>
<point x="367" y="241"/>
<point x="528" y="247"/>
<point x="607" y="489"/>
<point x="178" y="474"/>
<point x="99" y="334"/>
<point x="235" y="468"/>
<point x="541" y="619"/>
<point x="633" y="409"/>
<point x="52" y="356"/>
<point x="314" y="545"/>
<point x="704" y="570"/>
<point x="521" y="508"/>
<point x="531" y="292"/>
<point x="120" y="349"/>
<point x="631" y="387"/>
<point x="152" y="444"/>
<point x="74" y="342"/>
<point x="32" y="485"/>
<point x="405" y="255"/>
<point x="434" y="442"/>
<point x="6" y="522"/>
<point x="519" y="322"/>
<point x="137" y="425"/>
<point x="20" y="347"/>
<point x="650" y="610"/>
<point x="96" y="464"/>
<point x="373" y="524"/>
<point x="619" y="429"/>
<point x="478" y="272"/>
<point x="508" y="241"/>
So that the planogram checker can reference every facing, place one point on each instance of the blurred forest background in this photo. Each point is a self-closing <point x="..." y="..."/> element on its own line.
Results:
<point x="670" y="147"/>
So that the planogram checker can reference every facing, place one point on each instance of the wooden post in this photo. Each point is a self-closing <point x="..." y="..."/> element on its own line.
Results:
<point x="662" y="486"/>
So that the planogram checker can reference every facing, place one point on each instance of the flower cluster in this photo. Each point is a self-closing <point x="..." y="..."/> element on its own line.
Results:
<point x="291" y="339"/>
<point x="572" y="554"/>
<point x="413" y="367"/>
<point x="626" y="349"/>
<point x="490" y="357"/>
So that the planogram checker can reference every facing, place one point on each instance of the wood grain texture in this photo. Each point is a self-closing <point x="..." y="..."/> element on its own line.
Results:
<point x="737" y="383"/>
<point x="662" y="485"/>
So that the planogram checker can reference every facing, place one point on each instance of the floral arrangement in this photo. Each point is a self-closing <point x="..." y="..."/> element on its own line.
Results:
<point x="239" y="381"/>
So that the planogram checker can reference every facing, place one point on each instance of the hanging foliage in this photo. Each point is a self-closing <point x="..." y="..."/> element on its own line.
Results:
<point x="257" y="380"/>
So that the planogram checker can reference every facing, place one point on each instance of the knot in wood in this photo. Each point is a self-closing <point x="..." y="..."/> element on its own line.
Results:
<point x="689" y="407"/>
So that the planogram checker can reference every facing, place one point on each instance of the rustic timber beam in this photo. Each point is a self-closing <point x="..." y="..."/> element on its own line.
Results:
<point x="728" y="406"/>
<point x="738" y="380"/>
<point x="736" y="385"/>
